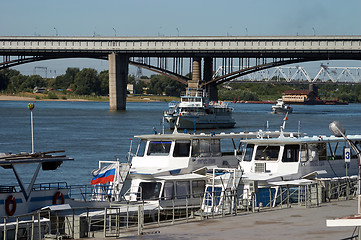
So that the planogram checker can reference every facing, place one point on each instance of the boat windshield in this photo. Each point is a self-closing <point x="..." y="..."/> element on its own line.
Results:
<point x="267" y="153"/>
<point x="159" y="148"/>
<point x="206" y="147"/>
<point x="141" y="148"/>
<point x="248" y="152"/>
<point x="291" y="153"/>
<point x="181" y="149"/>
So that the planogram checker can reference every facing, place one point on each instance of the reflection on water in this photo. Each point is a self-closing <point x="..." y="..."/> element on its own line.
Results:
<point x="89" y="132"/>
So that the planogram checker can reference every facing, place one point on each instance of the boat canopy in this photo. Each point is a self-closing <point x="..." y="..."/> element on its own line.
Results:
<point x="232" y="135"/>
<point x="305" y="139"/>
<point x="7" y="159"/>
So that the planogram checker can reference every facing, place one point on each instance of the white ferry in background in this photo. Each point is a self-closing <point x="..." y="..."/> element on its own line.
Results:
<point x="281" y="107"/>
<point x="195" y="111"/>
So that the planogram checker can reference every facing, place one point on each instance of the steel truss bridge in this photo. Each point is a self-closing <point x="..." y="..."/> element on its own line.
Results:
<point x="178" y="56"/>
<point x="299" y="74"/>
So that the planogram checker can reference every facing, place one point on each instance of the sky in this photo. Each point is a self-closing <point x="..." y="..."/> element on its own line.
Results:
<point x="173" y="18"/>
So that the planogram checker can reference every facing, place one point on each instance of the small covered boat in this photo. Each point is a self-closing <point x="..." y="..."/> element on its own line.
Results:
<point x="281" y="107"/>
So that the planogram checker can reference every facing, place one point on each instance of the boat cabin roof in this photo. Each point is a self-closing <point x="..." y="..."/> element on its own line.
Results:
<point x="240" y="135"/>
<point x="304" y="139"/>
<point x="185" y="177"/>
<point x="7" y="159"/>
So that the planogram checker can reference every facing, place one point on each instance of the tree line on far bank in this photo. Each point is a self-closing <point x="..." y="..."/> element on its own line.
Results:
<point x="89" y="82"/>
<point x="86" y="82"/>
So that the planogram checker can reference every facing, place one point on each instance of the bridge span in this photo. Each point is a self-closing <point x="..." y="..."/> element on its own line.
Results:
<point x="166" y="54"/>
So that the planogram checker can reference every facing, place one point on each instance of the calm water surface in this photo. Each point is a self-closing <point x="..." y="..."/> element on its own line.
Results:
<point x="89" y="132"/>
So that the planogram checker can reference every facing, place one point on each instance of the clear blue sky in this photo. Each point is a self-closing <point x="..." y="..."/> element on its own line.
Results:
<point x="167" y="17"/>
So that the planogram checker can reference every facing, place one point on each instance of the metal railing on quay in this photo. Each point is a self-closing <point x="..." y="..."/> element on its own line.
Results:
<point x="122" y="218"/>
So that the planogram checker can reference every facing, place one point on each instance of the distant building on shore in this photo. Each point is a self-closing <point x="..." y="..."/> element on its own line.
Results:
<point x="300" y="96"/>
<point x="307" y="97"/>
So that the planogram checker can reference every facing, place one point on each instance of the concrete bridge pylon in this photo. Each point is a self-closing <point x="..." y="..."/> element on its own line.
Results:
<point x="196" y="82"/>
<point x="118" y="79"/>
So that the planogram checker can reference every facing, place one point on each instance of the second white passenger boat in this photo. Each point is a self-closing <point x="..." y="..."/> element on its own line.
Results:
<point x="195" y="111"/>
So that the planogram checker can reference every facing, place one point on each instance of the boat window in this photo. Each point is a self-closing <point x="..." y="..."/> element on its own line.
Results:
<point x="322" y="151"/>
<point x="248" y="152"/>
<point x="206" y="147"/>
<point x="267" y="153"/>
<point x="290" y="153"/>
<point x="315" y="152"/>
<point x="168" y="191"/>
<point x="141" y="148"/>
<point x="198" y="188"/>
<point x="159" y="148"/>
<point x="304" y="153"/>
<point x="336" y="150"/>
<point x="149" y="190"/>
<point x="181" y="149"/>
<point x="182" y="189"/>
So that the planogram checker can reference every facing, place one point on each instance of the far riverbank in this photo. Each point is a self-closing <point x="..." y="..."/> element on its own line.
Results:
<point x="130" y="98"/>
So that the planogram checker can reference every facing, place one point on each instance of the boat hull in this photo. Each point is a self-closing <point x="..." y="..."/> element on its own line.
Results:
<point x="36" y="201"/>
<point x="281" y="110"/>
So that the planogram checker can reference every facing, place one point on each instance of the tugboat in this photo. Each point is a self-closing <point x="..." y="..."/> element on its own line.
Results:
<point x="196" y="111"/>
<point x="281" y="107"/>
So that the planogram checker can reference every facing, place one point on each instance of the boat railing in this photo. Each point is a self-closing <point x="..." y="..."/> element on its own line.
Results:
<point x="7" y="189"/>
<point x="49" y="186"/>
<point x="194" y="92"/>
<point x="122" y="218"/>
<point x="101" y="192"/>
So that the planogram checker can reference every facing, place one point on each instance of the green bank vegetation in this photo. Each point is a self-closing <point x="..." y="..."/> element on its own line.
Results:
<point x="88" y="84"/>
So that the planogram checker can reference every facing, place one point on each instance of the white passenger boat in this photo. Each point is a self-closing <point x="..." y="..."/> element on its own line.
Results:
<point x="281" y="107"/>
<point x="290" y="158"/>
<point x="195" y="111"/>
<point x="267" y="164"/>
<point x="173" y="166"/>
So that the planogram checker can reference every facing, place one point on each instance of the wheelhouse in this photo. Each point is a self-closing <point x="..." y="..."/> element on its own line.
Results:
<point x="288" y="155"/>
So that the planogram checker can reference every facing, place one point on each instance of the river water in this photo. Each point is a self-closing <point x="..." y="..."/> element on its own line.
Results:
<point x="89" y="132"/>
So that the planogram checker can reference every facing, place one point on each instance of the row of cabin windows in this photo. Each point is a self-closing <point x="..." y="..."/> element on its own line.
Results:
<point x="182" y="148"/>
<point x="309" y="152"/>
<point x="271" y="153"/>
<point x="171" y="190"/>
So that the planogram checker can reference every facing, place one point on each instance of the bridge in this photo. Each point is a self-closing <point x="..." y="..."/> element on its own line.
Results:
<point x="169" y="55"/>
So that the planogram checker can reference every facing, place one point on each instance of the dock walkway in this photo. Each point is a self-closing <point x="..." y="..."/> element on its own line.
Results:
<point x="288" y="223"/>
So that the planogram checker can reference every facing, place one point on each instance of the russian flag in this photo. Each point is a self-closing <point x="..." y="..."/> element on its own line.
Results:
<point x="104" y="175"/>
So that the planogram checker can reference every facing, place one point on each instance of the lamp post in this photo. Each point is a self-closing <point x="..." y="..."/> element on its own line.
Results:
<point x="31" y="107"/>
<point x="339" y="131"/>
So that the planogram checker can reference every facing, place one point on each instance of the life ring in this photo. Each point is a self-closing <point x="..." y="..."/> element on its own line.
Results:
<point x="58" y="195"/>
<point x="10" y="200"/>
